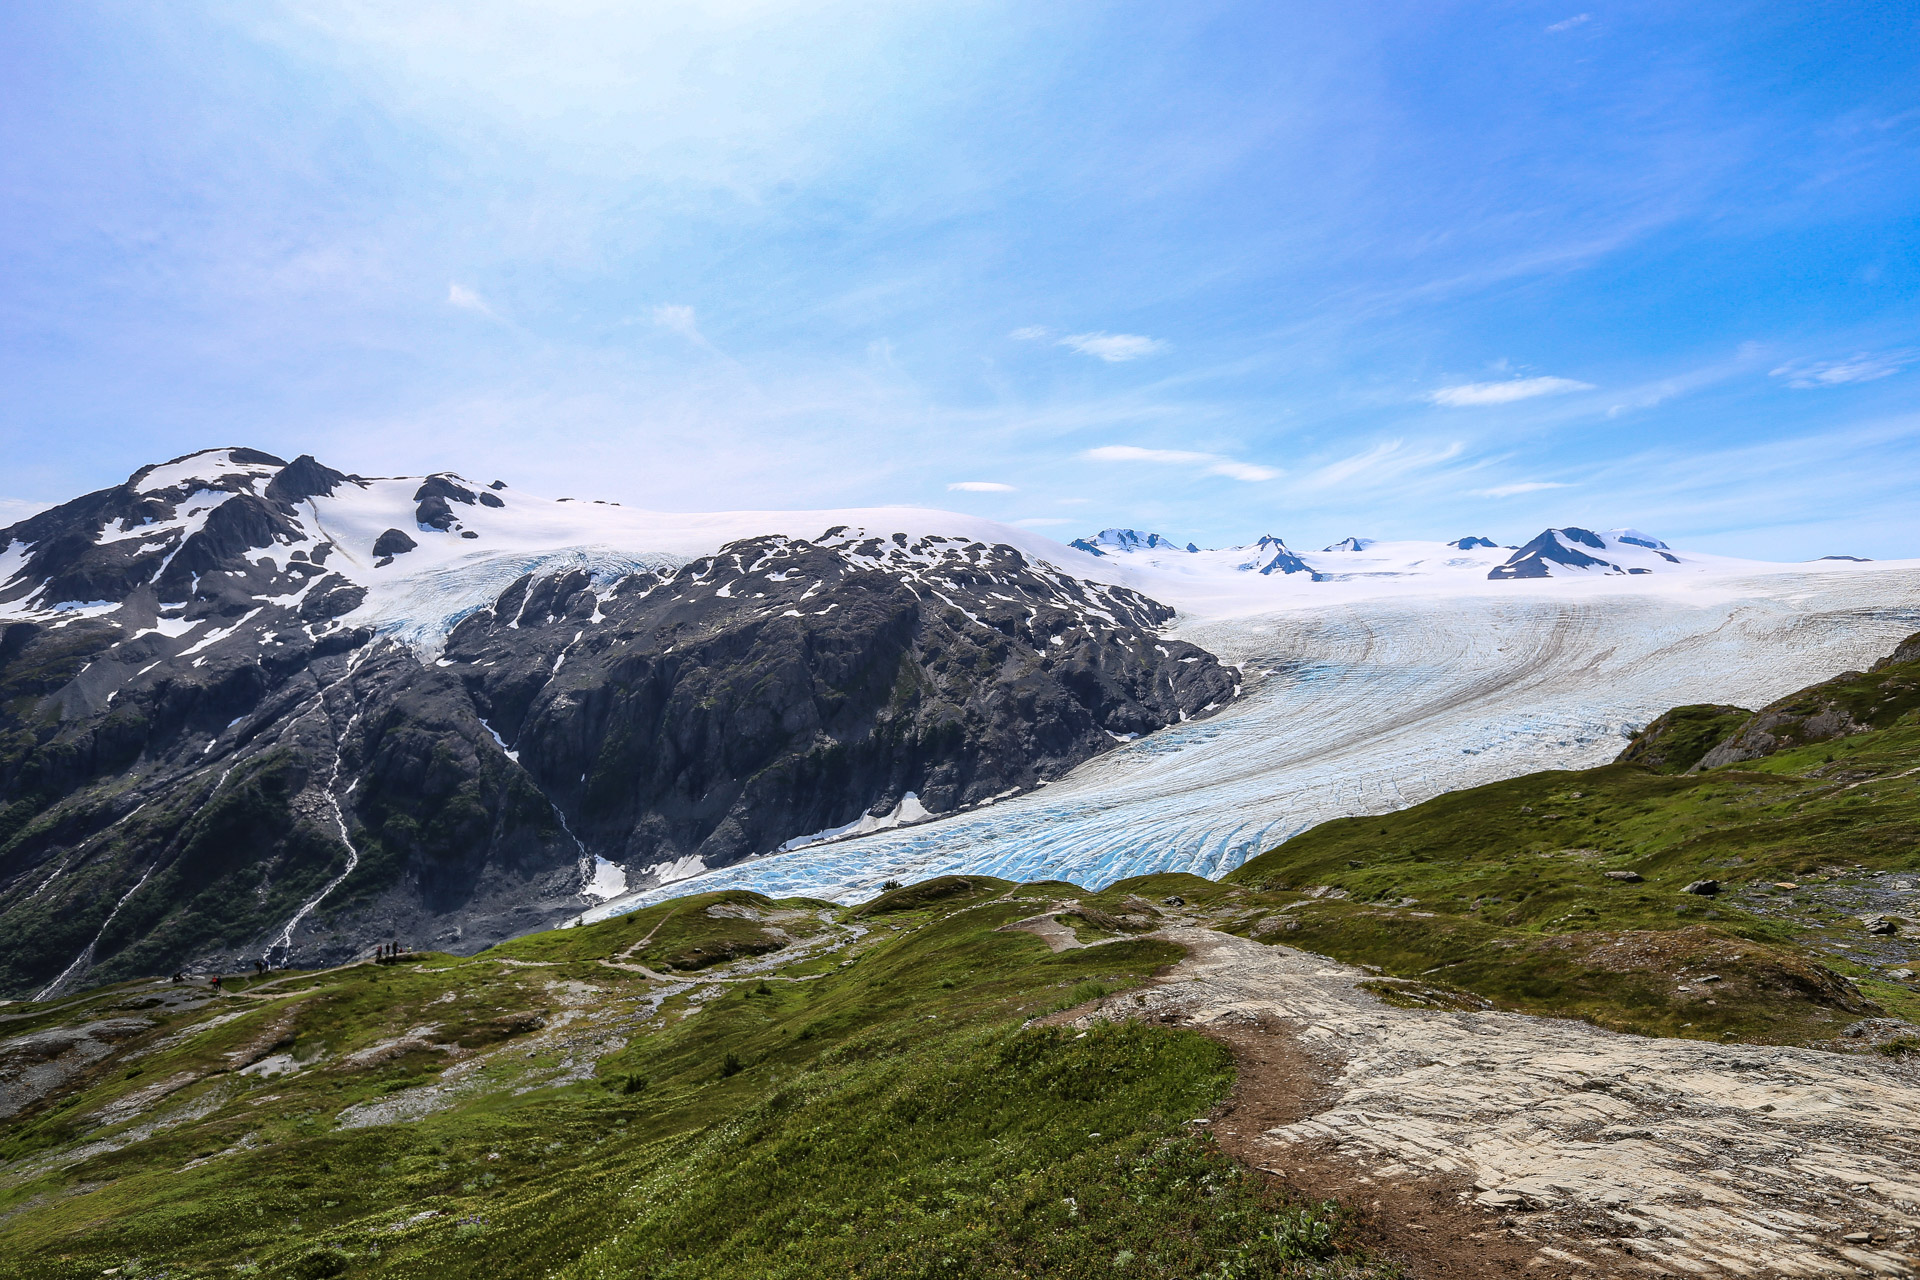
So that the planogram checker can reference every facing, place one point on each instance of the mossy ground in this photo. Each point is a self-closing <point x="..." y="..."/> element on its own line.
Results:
<point x="888" y="1113"/>
<point x="1503" y="891"/>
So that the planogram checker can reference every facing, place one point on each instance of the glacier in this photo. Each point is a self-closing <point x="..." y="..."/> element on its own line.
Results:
<point x="1369" y="702"/>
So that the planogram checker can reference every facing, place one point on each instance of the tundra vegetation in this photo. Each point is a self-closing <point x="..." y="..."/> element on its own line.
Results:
<point x="874" y="1094"/>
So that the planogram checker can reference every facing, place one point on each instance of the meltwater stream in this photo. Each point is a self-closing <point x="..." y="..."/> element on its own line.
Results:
<point x="1367" y="707"/>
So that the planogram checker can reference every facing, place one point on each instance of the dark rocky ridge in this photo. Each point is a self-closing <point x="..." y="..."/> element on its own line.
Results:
<point x="214" y="759"/>
<point x="783" y="688"/>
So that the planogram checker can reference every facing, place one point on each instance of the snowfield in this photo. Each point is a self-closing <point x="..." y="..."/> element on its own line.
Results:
<point x="1368" y="697"/>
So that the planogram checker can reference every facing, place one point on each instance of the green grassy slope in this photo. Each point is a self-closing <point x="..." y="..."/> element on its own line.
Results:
<point x="1563" y="892"/>
<point x="867" y="1100"/>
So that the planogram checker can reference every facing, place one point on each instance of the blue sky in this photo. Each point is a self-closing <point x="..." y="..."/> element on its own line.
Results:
<point x="1417" y="269"/>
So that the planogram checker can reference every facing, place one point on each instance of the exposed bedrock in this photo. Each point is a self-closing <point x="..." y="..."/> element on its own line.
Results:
<point x="782" y="688"/>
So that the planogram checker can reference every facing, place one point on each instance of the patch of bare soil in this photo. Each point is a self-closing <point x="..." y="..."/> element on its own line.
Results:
<point x="1546" y="1146"/>
<point x="1421" y="1223"/>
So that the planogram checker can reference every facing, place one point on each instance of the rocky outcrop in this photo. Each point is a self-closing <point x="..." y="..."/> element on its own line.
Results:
<point x="1675" y="741"/>
<point x="1555" y="546"/>
<point x="1852" y="702"/>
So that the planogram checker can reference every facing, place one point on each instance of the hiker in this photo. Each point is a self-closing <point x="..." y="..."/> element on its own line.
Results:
<point x="216" y="983"/>
<point x="178" y="977"/>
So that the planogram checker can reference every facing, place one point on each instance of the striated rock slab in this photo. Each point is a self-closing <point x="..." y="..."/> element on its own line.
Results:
<point x="1639" y="1155"/>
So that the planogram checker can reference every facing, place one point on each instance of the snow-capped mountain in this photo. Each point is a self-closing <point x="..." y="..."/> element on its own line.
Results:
<point x="1126" y="540"/>
<point x="254" y="707"/>
<point x="1558" y="552"/>
<point x="1266" y="574"/>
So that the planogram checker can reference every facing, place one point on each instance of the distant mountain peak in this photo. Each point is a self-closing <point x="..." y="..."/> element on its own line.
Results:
<point x="1271" y="555"/>
<point x="1573" y="549"/>
<point x="1351" y="544"/>
<point x="1635" y="538"/>
<point x="1128" y="540"/>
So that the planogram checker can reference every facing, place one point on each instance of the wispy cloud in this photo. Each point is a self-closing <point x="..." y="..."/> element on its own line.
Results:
<point x="1568" y="24"/>
<point x="980" y="486"/>
<point x="14" y="510"/>
<point x="1471" y="394"/>
<point x="1865" y="367"/>
<point x="1733" y="499"/>
<point x="678" y="318"/>
<point x="1524" y="486"/>
<point x="467" y="300"/>
<point x="1384" y="461"/>
<point x="1214" y="464"/>
<point x="1041" y="522"/>
<point x="1113" y="347"/>
<point x="1658" y="391"/>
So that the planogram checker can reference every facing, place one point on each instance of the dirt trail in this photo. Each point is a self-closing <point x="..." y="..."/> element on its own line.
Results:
<point x="1056" y="935"/>
<point x="1603" y="1153"/>
<point x="752" y="969"/>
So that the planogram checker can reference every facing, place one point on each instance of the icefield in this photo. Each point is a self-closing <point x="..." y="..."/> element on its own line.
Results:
<point x="1368" y="703"/>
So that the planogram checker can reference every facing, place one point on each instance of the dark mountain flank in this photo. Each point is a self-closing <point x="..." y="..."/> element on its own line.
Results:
<point x="212" y="748"/>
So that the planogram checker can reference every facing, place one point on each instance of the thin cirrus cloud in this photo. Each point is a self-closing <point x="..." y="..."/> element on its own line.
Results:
<point x="1114" y="348"/>
<point x="1213" y="463"/>
<point x="1512" y="490"/>
<point x="1473" y="394"/>
<point x="1040" y="522"/>
<point x="1389" y="460"/>
<point x="979" y="486"/>
<point x="1808" y="375"/>
<point x="466" y="299"/>
<point x="678" y="318"/>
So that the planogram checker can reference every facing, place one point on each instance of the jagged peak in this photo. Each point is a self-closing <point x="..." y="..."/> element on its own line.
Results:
<point x="1129" y="540"/>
